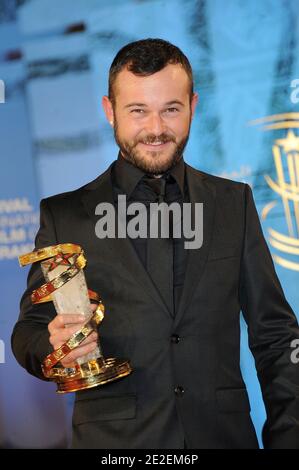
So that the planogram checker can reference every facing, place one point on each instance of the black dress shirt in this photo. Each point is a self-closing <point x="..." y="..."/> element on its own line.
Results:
<point x="128" y="180"/>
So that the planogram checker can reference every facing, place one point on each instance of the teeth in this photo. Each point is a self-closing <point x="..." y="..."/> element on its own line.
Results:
<point x="156" y="143"/>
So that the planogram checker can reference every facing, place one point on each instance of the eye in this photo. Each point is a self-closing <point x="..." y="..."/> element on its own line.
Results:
<point x="138" y="111"/>
<point x="172" y="110"/>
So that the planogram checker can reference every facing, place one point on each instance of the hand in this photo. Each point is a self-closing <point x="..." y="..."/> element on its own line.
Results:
<point x="62" y="327"/>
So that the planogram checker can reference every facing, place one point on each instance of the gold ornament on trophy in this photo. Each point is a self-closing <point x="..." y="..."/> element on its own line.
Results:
<point x="62" y="266"/>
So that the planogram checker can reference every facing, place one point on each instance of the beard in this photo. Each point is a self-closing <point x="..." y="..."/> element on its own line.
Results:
<point x="151" y="162"/>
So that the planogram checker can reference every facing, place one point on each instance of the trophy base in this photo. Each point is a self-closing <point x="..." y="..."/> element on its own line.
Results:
<point x="92" y="374"/>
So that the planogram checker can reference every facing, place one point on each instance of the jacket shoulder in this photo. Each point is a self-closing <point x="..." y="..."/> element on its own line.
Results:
<point x="70" y="197"/>
<point x="221" y="184"/>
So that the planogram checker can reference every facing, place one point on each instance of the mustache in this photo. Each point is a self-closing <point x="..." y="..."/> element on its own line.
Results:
<point x="152" y="139"/>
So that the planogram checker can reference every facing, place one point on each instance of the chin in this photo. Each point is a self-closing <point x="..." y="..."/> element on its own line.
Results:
<point x="156" y="164"/>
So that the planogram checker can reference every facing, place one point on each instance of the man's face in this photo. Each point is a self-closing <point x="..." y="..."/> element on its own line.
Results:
<point x="152" y="117"/>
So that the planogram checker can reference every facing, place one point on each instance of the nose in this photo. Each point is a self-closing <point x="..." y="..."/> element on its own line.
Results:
<point x="155" y="124"/>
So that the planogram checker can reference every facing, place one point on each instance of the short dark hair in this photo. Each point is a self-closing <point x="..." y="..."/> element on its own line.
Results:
<point x="146" y="57"/>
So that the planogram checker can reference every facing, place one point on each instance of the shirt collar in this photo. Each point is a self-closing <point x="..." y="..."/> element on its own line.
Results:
<point x="128" y="175"/>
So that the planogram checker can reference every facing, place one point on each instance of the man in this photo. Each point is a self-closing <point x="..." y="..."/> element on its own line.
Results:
<point x="174" y="312"/>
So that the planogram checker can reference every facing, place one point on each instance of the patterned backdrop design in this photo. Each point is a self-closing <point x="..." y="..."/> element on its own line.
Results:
<point x="54" y="62"/>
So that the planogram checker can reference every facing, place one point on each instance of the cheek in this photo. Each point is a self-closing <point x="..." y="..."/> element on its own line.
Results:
<point x="128" y="129"/>
<point x="179" y="128"/>
<point x="180" y="124"/>
<point x="131" y="123"/>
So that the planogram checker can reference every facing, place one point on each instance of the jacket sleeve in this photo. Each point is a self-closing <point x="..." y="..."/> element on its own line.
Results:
<point x="30" y="337"/>
<point x="272" y="326"/>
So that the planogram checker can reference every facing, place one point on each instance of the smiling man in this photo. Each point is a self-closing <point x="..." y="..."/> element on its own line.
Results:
<point x="151" y="114"/>
<point x="174" y="312"/>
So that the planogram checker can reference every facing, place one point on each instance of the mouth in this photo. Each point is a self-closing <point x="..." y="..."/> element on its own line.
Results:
<point x="155" y="146"/>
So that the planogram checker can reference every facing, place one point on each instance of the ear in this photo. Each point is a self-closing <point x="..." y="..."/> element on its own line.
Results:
<point x="194" y="101"/>
<point x="108" y="109"/>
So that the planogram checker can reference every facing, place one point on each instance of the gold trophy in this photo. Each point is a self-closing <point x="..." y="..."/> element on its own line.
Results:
<point x="62" y="266"/>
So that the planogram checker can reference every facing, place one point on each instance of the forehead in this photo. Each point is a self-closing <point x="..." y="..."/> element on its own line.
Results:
<point x="169" y="83"/>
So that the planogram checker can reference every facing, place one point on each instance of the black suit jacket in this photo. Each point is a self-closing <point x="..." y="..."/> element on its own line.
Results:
<point x="186" y="382"/>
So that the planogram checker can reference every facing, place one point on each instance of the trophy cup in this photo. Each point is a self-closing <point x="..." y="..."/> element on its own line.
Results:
<point x="62" y="266"/>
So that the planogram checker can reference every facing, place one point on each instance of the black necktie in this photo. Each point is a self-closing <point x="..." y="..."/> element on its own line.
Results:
<point x="160" y="250"/>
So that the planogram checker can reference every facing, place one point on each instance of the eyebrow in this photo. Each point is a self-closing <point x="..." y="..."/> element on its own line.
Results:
<point x="144" y="105"/>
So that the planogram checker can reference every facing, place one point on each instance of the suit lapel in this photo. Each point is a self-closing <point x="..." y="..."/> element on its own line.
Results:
<point x="200" y="190"/>
<point x="99" y="191"/>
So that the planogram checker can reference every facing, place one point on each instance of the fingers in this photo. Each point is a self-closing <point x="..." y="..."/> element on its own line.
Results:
<point x="69" y="360"/>
<point x="63" y="326"/>
<point x="61" y="320"/>
<point x="65" y="333"/>
<point x="59" y="333"/>
<point x="66" y="319"/>
<point x="56" y="340"/>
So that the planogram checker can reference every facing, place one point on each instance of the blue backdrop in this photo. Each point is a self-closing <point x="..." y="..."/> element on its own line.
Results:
<point x="54" y="61"/>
